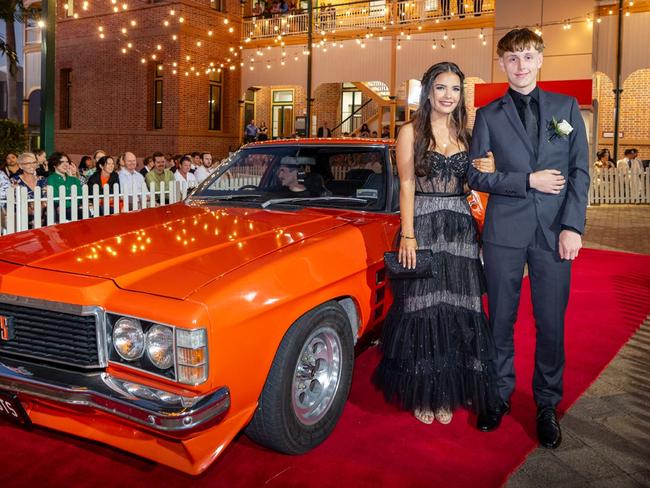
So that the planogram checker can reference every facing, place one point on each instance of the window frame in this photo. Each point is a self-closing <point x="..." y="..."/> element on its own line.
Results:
<point x="215" y="84"/>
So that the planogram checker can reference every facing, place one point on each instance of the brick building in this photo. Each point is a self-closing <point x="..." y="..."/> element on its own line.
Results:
<point x="112" y="94"/>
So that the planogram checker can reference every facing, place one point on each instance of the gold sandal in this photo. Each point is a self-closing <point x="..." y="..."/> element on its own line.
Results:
<point x="424" y="416"/>
<point x="444" y="416"/>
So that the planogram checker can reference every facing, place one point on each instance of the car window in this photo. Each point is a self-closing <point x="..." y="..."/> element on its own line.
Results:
<point x="349" y="176"/>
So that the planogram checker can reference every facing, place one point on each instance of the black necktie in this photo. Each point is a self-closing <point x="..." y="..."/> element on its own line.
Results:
<point x="530" y="121"/>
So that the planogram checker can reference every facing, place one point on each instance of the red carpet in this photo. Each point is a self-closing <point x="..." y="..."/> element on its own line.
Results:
<point x="375" y="445"/>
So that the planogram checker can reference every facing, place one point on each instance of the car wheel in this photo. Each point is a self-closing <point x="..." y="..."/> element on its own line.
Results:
<point x="308" y="383"/>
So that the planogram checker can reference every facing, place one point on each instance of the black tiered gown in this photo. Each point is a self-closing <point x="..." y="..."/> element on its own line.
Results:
<point x="436" y="344"/>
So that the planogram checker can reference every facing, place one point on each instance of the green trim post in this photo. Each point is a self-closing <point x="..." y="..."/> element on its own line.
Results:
<point x="48" y="75"/>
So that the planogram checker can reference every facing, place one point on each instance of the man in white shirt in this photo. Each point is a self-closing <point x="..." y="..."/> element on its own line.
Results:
<point x="632" y="167"/>
<point x="203" y="169"/>
<point x="183" y="174"/>
<point x="131" y="181"/>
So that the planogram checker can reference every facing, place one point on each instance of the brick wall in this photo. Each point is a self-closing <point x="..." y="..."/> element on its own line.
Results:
<point x="635" y="112"/>
<point x="112" y="92"/>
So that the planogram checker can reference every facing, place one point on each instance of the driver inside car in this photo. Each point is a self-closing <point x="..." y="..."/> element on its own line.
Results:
<point x="295" y="182"/>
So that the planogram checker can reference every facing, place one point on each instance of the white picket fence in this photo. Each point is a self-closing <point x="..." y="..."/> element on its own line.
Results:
<point x="19" y="213"/>
<point x="617" y="186"/>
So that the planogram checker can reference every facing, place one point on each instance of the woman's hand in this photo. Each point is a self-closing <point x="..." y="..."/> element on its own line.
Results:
<point x="485" y="165"/>
<point x="407" y="249"/>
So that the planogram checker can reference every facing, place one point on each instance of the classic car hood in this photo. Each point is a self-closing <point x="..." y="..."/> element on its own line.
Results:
<point x="170" y="251"/>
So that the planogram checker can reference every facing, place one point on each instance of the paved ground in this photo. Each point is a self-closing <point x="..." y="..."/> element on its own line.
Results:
<point x="607" y="431"/>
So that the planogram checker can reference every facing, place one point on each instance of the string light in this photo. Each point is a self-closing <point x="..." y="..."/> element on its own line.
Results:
<point x="445" y="37"/>
<point x="453" y="43"/>
<point x="434" y="46"/>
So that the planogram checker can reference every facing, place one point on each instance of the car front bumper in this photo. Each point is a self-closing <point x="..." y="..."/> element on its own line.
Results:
<point x="153" y="409"/>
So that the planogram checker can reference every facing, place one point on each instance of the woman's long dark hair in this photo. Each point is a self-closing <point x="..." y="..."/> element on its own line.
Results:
<point x="421" y="120"/>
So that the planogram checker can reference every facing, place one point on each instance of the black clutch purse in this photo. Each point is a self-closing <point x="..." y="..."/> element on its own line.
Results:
<point x="423" y="265"/>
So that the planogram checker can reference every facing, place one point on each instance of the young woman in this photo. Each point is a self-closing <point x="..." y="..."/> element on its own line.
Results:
<point x="436" y="344"/>
<point x="604" y="160"/>
<point x="104" y="175"/>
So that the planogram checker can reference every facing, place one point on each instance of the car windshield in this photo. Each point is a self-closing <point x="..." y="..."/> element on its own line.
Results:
<point x="300" y="175"/>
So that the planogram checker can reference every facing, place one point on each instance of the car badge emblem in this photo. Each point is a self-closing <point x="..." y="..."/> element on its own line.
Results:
<point x="6" y="328"/>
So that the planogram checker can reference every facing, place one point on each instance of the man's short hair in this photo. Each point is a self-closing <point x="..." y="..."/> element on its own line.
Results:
<point x="147" y="160"/>
<point x="158" y="154"/>
<point x="519" y="40"/>
<point x="205" y="154"/>
<point x="629" y="151"/>
<point x="195" y="154"/>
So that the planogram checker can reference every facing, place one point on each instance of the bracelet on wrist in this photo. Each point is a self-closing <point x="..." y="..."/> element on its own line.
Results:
<point x="406" y="237"/>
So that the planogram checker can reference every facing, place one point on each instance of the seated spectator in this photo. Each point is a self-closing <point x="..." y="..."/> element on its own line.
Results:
<point x="59" y="165"/>
<point x="119" y="162"/>
<point x="73" y="170"/>
<point x="196" y="161"/>
<point x="364" y="131"/>
<point x="104" y="175"/>
<point x="203" y="171"/>
<point x="98" y="154"/>
<point x="147" y="164"/>
<point x="30" y="180"/>
<point x="374" y="134"/>
<point x="385" y="132"/>
<point x="603" y="160"/>
<point x="275" y="8"/>
<point x="86" y="168"/>
<point x="183" y="174"/>
<point x="10" y="165"/>
<point x="159" y="174"/>
<point x="41" y="157"/>
<point x="131" y="181"/>
<point x="284" y="7"/>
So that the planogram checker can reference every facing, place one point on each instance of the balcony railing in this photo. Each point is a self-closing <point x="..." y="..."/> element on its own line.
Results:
<point x="359" y="16"/>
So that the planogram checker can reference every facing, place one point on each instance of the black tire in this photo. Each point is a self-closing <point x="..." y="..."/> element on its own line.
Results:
<point x="275" y="423"/>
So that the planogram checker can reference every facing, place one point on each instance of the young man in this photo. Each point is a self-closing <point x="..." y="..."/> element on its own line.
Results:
<point x="535" y="216"/>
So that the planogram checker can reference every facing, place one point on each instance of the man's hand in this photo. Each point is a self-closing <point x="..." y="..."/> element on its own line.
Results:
<point x="570" y="244"/>
<point x="547" y="181"/>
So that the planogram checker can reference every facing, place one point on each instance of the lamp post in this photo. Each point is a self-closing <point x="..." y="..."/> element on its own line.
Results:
<point x="618" y="90"/>
<point x="310" y="32"/>
<point x="48" y="76"/>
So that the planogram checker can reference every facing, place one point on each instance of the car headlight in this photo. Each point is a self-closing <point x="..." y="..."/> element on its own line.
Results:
<point x="128" y="338"/>
<point x="160" y="346"/>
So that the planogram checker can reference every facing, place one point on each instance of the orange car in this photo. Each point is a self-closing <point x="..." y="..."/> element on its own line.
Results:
<point x="167" y="331"/>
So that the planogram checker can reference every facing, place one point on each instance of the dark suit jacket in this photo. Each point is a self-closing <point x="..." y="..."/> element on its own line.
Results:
<point x="514" y="213"/>
<point x="95" y="179"/>
<point x="323" y="132"/>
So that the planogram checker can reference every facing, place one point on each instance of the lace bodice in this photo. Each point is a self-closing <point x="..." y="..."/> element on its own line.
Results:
<point x="446" y="174"/>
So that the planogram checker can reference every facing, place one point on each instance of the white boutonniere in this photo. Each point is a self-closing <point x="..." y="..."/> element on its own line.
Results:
<point x="560" y="128"/>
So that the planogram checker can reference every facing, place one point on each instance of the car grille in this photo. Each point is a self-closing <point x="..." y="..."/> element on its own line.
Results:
<point x="52" y="336"/>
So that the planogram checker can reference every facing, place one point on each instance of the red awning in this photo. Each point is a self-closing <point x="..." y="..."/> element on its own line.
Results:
<point x="485" y="93"/>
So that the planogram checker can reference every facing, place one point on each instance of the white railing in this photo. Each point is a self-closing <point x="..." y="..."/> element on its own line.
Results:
<point x="357" y="15"/>
<point x="619" y="186"/>
<point x="19" y="212"/>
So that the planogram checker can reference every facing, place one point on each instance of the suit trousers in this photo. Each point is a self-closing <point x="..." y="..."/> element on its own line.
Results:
<point x="550" y="279"/>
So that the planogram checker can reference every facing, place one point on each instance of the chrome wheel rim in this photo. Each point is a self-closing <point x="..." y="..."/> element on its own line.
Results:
<point x="316" y="376"/>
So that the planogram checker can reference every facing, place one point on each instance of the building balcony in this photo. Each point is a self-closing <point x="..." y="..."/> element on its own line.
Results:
<point x="358" y="18"/>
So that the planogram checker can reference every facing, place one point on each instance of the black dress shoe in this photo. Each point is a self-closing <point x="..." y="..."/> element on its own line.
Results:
<point x="490" y="420"/>
<point x="548" y="428"/>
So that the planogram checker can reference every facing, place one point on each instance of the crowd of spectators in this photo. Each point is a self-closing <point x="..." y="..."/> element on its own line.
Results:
<point x="34" y="169"/>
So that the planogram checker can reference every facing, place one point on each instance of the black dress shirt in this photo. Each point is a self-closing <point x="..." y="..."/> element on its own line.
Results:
<point x="519" y="103"/>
